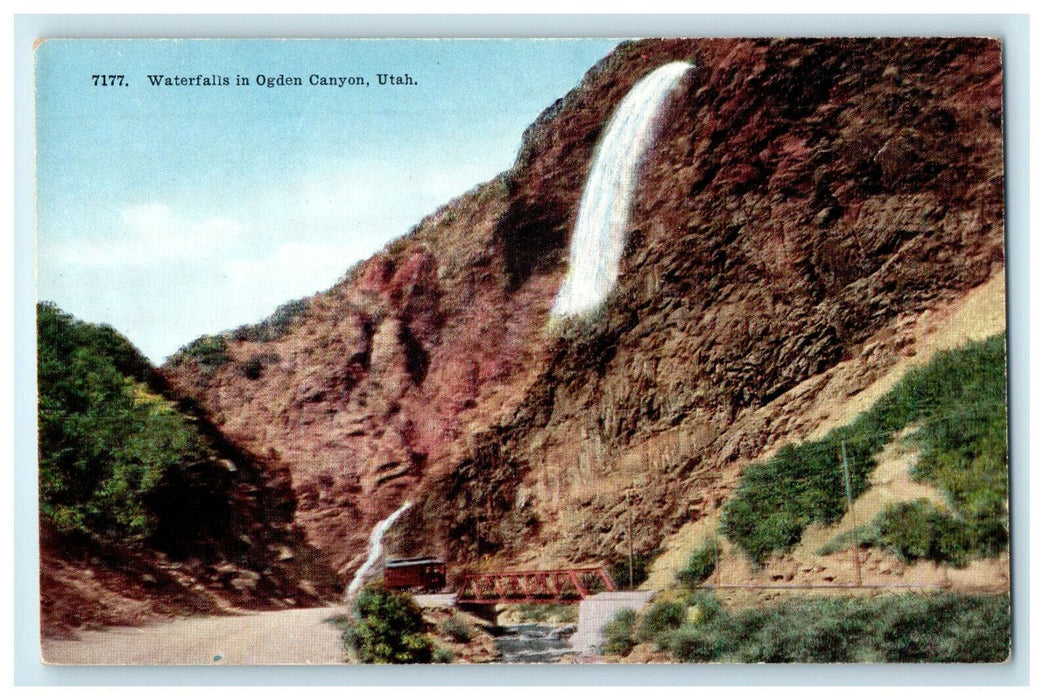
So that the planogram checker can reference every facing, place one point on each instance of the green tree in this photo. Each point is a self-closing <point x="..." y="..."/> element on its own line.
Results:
<point x="390" y="629"/>
<point x="106" y="440"/>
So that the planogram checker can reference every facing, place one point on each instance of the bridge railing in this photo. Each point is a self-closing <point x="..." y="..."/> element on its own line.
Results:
<point x="546" y="586"/>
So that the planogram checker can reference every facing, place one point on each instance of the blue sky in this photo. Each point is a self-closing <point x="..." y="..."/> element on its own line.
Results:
<point x="173" y="212"/>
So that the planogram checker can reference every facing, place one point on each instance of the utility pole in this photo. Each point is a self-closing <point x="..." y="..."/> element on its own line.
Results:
<point x="854" y="516"/>
<point x="715" y="572"/>
<point x="631" y="538"/>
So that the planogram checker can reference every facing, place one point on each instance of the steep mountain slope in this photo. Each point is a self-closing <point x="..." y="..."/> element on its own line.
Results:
<point x="809" y="207"/>
<point x="145" y="509"/>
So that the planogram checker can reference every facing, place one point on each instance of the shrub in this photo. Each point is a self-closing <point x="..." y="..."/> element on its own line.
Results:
<point x="458" y="629"/>
<point x="920" y="530"/>
<point x="802" y="484"/>
<point x="691" y="644"/>
<point x="701" y="564"/>
<point x="208" y="351"/>
<point x="390" y="629"/>
<point x="947" y="628"/>
<point x="443" y="655"/>
<point x="276" y="325"/>
<point x="349" y="638"/>
<point x="702" y="607"/>
<point x="659" y="618"/>
<point x="619" y="633"/>
<point x="253" y="367"/>
<point x="627" y="573"/>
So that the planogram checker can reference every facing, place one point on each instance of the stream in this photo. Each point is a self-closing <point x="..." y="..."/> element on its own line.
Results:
<point x="532" y="643"/>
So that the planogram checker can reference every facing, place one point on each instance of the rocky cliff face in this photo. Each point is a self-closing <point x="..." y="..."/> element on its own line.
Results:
<point x="805" y="203"/>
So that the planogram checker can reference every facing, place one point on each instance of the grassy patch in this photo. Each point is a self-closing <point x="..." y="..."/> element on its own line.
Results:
<point x="547" y="612"/>
<point x="959" y="402"/>
<point x="900" y="628"/>
<point x="867" y="535"/>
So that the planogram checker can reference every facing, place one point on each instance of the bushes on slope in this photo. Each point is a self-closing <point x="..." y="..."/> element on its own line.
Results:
<point x="959" y="401"/>
<point x="701" y="564"/>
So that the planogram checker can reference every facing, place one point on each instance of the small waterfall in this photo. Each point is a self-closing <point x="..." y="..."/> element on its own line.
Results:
<point x="605" y="208"/>
<point x="375" y="551"/>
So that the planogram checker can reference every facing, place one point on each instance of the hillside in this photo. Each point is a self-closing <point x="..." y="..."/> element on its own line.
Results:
<point x="812" y="214"/>
<point x="145" y="509"/>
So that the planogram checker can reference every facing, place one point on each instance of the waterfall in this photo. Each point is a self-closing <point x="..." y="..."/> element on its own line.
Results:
<point x="605" y="208"/>
<point x="375" y="550"/>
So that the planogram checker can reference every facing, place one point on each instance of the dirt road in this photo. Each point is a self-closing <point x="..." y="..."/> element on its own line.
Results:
<point x="281" y="637"/>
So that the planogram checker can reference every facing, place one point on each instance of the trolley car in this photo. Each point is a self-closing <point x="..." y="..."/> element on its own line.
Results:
<point x="424" y="574"/>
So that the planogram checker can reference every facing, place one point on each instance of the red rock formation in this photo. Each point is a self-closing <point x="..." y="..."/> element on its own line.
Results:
<point x="804" y="198"/>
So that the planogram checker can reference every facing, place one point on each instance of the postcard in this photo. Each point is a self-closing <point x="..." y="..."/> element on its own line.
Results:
<point x="564" y="351"/>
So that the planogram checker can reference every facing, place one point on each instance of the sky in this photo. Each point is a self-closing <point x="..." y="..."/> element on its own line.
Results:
<point x="173" y="212"/>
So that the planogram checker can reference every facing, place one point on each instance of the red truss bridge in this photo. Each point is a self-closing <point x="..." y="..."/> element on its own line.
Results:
<point x="551" y="586"/>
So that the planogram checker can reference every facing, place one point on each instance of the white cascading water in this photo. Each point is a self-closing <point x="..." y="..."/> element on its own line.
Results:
<point x="605" y="208"/>
<point x="375" y="551"/>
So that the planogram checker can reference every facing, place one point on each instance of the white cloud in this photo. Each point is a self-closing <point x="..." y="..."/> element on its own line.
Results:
<point x="371" y="201"/>
<point x="168" y="270"/>
<point x="255" y="287"/>
<point x="147" y="234"/>
<point x="157" y="229"/>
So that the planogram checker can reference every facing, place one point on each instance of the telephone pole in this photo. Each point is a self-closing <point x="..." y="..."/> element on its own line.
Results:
<point x="854" y="516"/>
<point x="631" y="538"/>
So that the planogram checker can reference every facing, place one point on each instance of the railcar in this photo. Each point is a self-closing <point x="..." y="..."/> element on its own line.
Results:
<point x="423" y="574"/>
